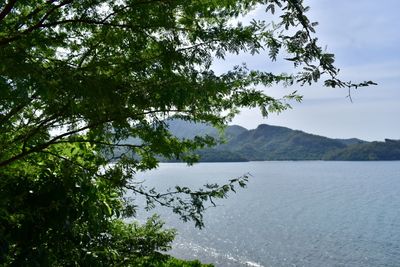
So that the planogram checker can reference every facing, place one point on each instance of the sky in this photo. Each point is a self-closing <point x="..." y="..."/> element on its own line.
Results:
<point x="364" y="35"/>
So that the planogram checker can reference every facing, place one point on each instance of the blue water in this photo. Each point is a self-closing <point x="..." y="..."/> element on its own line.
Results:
<point x="304" y="213"/>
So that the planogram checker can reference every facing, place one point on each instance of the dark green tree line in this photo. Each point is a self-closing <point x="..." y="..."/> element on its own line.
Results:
<point x="77" y="78"/>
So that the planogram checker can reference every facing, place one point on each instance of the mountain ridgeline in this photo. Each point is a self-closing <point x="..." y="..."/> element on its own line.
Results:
<point x="268" y="142"/>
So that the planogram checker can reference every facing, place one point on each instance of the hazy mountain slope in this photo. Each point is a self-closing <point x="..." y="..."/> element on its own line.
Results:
<point x="186" y="129"/>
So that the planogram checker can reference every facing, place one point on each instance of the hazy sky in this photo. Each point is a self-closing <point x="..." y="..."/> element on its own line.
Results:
<point x="365" y="37"/>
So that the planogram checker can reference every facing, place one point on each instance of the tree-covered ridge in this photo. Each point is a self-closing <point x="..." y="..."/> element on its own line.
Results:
<point x="268" y="142"/>
<point x="388" y="150"/>
<point x="77" y="78"/>
<point x="278" y="143"/>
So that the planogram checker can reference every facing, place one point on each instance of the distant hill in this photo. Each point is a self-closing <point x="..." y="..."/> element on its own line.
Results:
<point x="186" y="129"/>
<point x="388" y="150"/>
<point x="268" y="142"/>
<point x="351" y="141"/>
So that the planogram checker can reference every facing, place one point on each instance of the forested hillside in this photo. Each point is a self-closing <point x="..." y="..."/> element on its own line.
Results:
<point x="268" y="142"/>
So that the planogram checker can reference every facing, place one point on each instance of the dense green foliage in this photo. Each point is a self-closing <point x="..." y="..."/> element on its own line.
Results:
<point x="77" y="78"/>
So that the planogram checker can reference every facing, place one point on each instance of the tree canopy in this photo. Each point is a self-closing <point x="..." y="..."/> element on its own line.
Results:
<point x="77" y="78"/>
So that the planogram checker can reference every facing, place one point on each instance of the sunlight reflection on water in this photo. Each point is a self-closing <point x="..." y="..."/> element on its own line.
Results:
<point x="305" y="213"/>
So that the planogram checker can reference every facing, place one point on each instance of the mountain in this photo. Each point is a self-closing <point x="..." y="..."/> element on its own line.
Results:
<point x="351" y="141"/>
<point x="388" y="150"/>
<point x="187" y="129"/>
<point x="268" y="142"/>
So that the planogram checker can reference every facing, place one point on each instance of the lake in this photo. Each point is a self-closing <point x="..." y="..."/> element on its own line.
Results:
<point x="292" y="213"/>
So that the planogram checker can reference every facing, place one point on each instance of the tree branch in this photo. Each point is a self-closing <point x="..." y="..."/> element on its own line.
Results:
<point x="7" y="40"/>
<point x="17" y="109"/>
<point x="7" y="9"/>
<point x="67" y="159"/>
<point x="56" y="139"/>
<point x="40" y="147"/>
<point x="98" y="143"/>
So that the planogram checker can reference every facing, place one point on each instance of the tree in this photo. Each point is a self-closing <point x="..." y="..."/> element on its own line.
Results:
<point x="77" y="78"/>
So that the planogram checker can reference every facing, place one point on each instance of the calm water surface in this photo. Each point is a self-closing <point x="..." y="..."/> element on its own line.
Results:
<point x="305" y="213"/>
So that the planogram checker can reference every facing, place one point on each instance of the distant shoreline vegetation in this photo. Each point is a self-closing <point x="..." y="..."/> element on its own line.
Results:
<point x="267" y="142"/>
